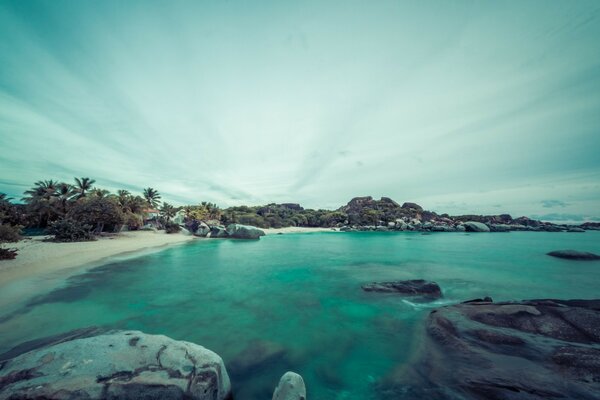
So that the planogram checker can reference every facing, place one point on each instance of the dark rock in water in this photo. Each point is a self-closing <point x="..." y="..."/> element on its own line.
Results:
<point x="486" y="299"/>
<point x="254" y="357"/>
<point x="290" y="387"/>
<point x="537" y="349"/>
<point x="115" y="365"/>
<point x="415" y="287"/>
<point x="578" y="230"/>
<point x="238" y="231"/>
<point x="574" y="255"/>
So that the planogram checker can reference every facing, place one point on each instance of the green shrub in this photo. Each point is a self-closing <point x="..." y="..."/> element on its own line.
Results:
<point x="172" y="227"/>
<point x="101" y="213"/>
<point x="10" y="233"/>
<point x="68" y="230"/>
<point x="8" y="254"/>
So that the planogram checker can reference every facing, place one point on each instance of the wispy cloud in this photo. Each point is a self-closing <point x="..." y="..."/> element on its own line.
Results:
<point x="461" y="107"/>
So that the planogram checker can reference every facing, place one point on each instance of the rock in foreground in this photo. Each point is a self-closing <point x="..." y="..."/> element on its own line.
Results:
<point x="538" y="349"/>
<point x="116" y="365"/>
<point x="291" y="387"/>
<point x="414" y="287"/>
<point x="574" y="255"/>
<point x="238" y="231"/>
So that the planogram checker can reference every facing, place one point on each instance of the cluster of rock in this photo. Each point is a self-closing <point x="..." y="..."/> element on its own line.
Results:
<point x="537" y="349"/>
<point x="368" y="214"/>
<point x="233" y="231"/>
<point x="90" y="364"/>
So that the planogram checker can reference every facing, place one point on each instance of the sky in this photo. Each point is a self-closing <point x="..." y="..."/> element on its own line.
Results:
<point x="460" y="106"/>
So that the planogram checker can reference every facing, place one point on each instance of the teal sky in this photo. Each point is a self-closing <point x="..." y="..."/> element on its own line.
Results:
<point x="461" y="106"/>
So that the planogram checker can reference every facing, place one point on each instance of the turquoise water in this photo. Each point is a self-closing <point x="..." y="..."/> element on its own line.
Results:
<point x="301" y="293"/>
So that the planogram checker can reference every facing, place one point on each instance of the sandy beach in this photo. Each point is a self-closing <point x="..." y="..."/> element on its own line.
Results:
<point x="37" y="257"/>
<point x="296" y="229"/>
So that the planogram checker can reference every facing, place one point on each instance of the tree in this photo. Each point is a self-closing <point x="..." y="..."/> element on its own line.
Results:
<point x="152" y="197"/>
<point x="83" y="185"/>
<point x="100" y="212"/>
<point x="41" y="201"/>
<point x="65" y="194"/>
<point x="167" y="211"/>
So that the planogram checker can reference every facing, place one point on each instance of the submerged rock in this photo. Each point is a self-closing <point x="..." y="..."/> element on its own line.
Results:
<point x="255" y="356"/>
<point x="121" y="364"/>
<point x="414" y="287"/>
<point x="472" y="226"/>
<point x="574" y="255"/>
<point x="538" y="349"/>
<point x="575" y="229"/>
<point x="291" y="387"/>
<point x="238" y="231"/>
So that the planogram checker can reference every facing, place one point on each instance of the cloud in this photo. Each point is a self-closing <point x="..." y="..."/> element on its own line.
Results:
<point x="232" y="103"/>
<point x="553" y="203"/>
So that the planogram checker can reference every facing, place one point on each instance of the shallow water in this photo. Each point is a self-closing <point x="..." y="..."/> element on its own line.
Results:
<point x="301" y="293"/>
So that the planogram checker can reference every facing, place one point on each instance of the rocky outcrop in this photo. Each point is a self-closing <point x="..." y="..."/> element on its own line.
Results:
<point x="413" y="206"/>
<point x="291" y="387"/>
<point x="574" y="255"/>
<point x="538" y="349"/>
<point x="238" y="231"/>
<point x="115" y="365"/>
<point x="414" y="287"/>
<point x="473" y="226"/>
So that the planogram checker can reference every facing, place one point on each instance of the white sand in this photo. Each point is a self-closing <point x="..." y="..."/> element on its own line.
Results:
<point x="296" y="229"/>
<point x="36" y="257"/>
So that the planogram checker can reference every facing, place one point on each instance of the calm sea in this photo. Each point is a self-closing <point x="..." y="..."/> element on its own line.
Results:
<point x="299" y="296"/>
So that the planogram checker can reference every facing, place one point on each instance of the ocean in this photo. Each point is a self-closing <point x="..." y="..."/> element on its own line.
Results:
<point x="294" y="301"/>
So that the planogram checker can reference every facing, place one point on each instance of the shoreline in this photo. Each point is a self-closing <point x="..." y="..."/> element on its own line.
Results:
<point x="37" y="257"/>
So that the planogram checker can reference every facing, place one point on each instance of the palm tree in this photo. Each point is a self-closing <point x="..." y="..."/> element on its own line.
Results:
<point x="83" y="184"/>
<point x="99" y="192"/>
<point x="152" y="197"/>
<point x="65" y="193"/>
<point x="41" y="200"/>
<point x="167" y="211"/>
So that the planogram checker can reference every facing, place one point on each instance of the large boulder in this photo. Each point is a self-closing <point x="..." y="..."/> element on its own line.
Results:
<point x="238" y="231"/>
<point x="115" y="365"/>
<point x="291" y="387"/>
<point x="217" y="231"/>
<point x="414" y="287"/>
<point x="574" y="255"/>
<point x="472" y="226"/>
<point x="538" y="349"/>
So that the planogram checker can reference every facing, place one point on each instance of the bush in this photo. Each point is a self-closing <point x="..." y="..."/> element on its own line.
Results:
<point x="172" y="227"/>
<point x="8" y="254"/>
<point x="68" y="230"/>
<point x="101" y="213"/>
<point x="10" y="233"/>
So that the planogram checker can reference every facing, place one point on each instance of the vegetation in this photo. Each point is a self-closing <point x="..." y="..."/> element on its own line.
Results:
<point x="69" y="230"/>
<point x="10" y="233"/>
<point x="8" y="254"/>
<point x="172" y="227"/>
<point x="152" y="197"/>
